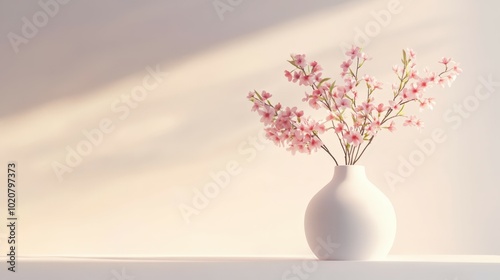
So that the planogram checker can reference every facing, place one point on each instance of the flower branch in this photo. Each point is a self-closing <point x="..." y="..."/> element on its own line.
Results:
<point x="355" y="119"/>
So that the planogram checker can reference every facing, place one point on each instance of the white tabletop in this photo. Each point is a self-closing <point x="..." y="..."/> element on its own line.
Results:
<point x="240" y="268"/>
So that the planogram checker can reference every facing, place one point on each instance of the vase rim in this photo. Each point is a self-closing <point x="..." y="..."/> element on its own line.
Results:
<point x="350" y="166"/>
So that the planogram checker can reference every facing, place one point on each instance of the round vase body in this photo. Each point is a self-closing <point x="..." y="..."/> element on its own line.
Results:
<point x="350" y="218"/>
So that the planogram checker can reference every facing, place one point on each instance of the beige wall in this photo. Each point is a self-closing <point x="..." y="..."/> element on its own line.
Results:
<point x="123" y="197"/>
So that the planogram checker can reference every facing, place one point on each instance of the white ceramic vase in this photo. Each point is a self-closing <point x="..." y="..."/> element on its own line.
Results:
<point x="350" y="218"/>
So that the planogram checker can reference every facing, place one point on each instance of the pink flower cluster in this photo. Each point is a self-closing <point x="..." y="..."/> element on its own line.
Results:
<point x="287" y="127"/>
<point x="352" y="112"/>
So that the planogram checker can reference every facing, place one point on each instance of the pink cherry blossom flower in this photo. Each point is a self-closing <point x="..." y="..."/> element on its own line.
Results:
<point x="292" y="148"/>
<point x="445" y="60"/>
<point x="358" y="120"/>
<point x="298" y="114"/>
<point x="342" y="103"/>
<point x="457" y="69"/>
<point x="330" y="117"/>
<point x="315" y="67"/>
<point x="394" y="105"/>
<point x="316" y="93"/>
<point x="354" y="138"/>
<point x="296" y="76"/>
<point x="392" y="126"/>
<point x="372" y="83"/>
<point x="377" y="85"/>
<point x="414" y="74"/>
<point x="411" y="53"/>
<point x="432" y="77"/>
<point x="266" y="95"/>
<point x="406" y="94"/>
<point x="314" y="102"/>
<point x="373" y="128"/>
<point x="319" y="128"/>
<point x="423" y="83"/>
<point x="306" y="97"/>
<point x="345" y="65"/>
<point x="317" y="77"/>
<point x="414" y="92"/>
<point x="340" y="91"/>
<point x="256" y="105"/>
<point x="304" y="128"/>
<point x="305" y="80"/>
<point x="365" y="57"/>
<point x="442" y="81"/>
<point x="366" y="107"/>
<point x="272" y="135"/>
<point x="288" y="112"/>
<point x="450" y="79"/>
<point x="370" y="131"/>
<point x="381" y="108"/>
<point x="300" y="60"/>
<point x="419" y="124"/>
<point x="350" y="84"/>
<point x="288" y="75"/>
<point x="267" y="114"/>
<point x="427" y="103"/>
<point x="410" y="121"/>
<point x="353" y="52"/>
<point x="413" y="121"/>
<point x="315" y="143"/>
<point x="339" y="128"/>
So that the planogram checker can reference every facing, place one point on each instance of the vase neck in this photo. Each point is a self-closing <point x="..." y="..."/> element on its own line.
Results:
<point x="343" y="172"/>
